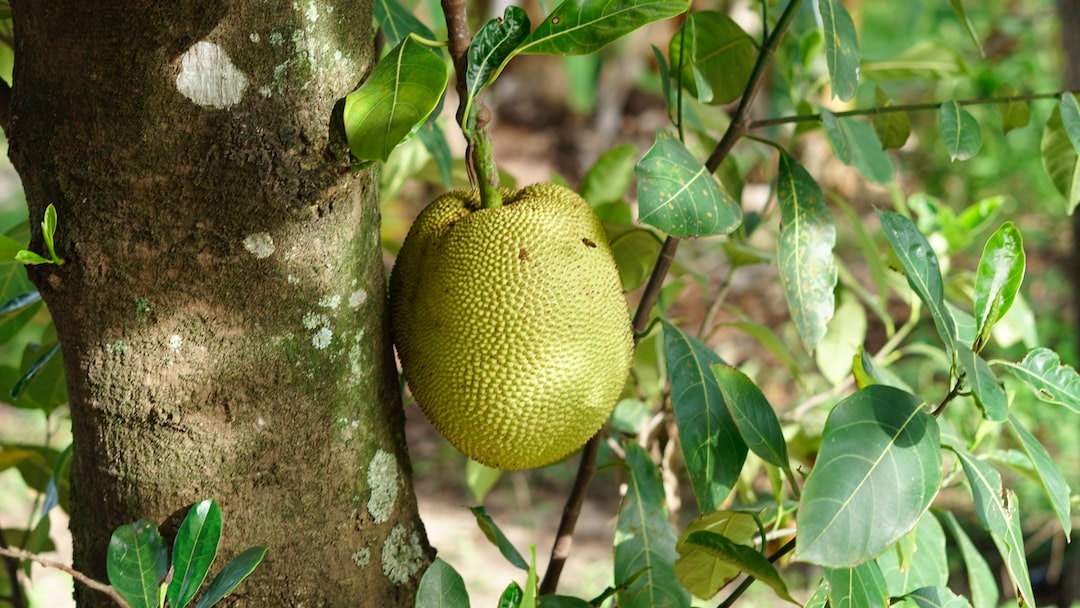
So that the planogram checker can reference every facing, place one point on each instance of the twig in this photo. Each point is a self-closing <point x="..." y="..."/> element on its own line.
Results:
<point x="108" y="590"/>
<point x="11" y="564"/>
<point x="914" y="107"/>
<point x="736" y="129"/>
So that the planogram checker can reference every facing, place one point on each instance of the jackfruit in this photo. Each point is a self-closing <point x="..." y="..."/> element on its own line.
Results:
<point x="510" y="323"/>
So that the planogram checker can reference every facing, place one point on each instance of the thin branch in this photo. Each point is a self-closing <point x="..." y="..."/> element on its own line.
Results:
<point x="560" y="551"/>
<point x="12" y="566"/>
<point x="108" y="590"/>
<point x="913" y="107"/>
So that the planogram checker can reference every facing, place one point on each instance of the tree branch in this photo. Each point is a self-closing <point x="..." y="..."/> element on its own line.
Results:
<point x="5" y="108"/>
<point x="108" y="590"/>
<point x="11" y="564"/>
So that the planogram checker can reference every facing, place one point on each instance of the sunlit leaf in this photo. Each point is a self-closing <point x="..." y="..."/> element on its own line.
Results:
<point x="984" y="386"/>
<point x="712" y="447"/>
<point x="137" y="562"/>
<point x="678" y="195"/>
<point x="856" y="143"/>
<point x="805" y="251"/>
<point x="715" y="57"/>
<point x="644" y="540"/>
<point x="841" y="48"/>
<point x="746" y="559"/>
<point x="580" y="27"/>
<point x="878" y="470"/>
<point x="497" y="538"/>
<point x="982" y="582"/>
<point x="860" y="586"/>
<point x="194" y="550"/>
<point x="928" y="565"/>
<point x="492" y="46"/>
<point x="1015" y="114"/>
<point x="1046" y="471"/>
<point x="998" y="279"/>
<point x="842" y="340"/>
<point x="441" y="586"/>
<point x="1050" y="379"/>
<point x="231" y="575"/>
<point x="753" y="415"/>
<point x="1060" y="160"/>
<point x="701" y="572"/>
<point x="400" y="94"/>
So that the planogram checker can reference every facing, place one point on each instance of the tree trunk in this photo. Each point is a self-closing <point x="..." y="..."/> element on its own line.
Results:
<point x="221" y="308"/>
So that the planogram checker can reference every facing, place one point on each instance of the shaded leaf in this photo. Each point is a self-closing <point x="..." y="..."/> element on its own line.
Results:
<point x="580" y="27"/>
<point x="958" y="8"/>
<point x="878" y="470"/>
<point x="842" y="340"/>
<point x="856" y="143"/>
<point x="841" y="48"/>
<point x="635" y="251"/>
<point x="701" y="572"/>
<point x="989" y="395"/>
<point x="397" y="22"/>
<point x="400" y="94"/>
<point x="1050" y="379"/>
<point x="805" y="251"/>
<point x="960" y="131"/>
<point x="925" y="60"/>
<point x="753" y="415"/>
<point x="678" y="195"/>
<point x="1070" y="118"/>
<point x="137" y="562"/>
<point x="712" y="447"/>
<point x="441" y="587"/>
<point x="1014" y="114"/>
<point x="644" y="540"/>
<point x="892" y="128"/>
<point x="231" y="575"/>
<point x="434" y="140"/>
<point x="58" y="490"/>
<point x="714" y="57"/>
<point x="497" y="538"/>
<point x="982" y="582"/>
<point x="1046" y="471"/>
<point x="862" y="586"/>
<point x="1060" y="160"/>
<point x="194" y="550"/>
<point x="928" y="565"/>
<point x="32" y="371"/>
<point x="937" y="597"/>
<point x="921" y="269"/>
<point x="492" y="46"/>
<point x="820" y="597"/>
<point x="480" y="478"/>
<point x="608" y="179"/>
<point x="746" y="559"/>
<point x="998" y="279"/>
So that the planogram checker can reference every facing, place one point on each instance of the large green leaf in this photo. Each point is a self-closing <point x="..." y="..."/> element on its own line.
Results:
<point x="998" y="512"/>
<point x="397" y="22"/>
<point x="998" y="279"/>
<point x="937" y="597"/>
<point x="805" y="251"/>
<point x="678" y="195"/>
<point x="856" y="143"/>
<point x="194" y="550"/>
<point x="712" y="448"/>
<point x="1050" y="379"/>
<point x="878" y="469"/>
<point x="753" y="415"/>
<point x="441" y="587"/>
<point x="400" y="94"/>
<point x="701" y="572"/>
<point x="1047" y="472"/>
<point x="746" y="559"/>
<point x="921" y="269"/>
<point x="983" y="583"/>
<point x="231" y="575"/>
<point x="497" y="538"/>
<point x="1070" y="118"/>
<point x="1060" y="160"/>
<point x="644" y="540"/>
<point x="137" y="562"/>
<point x="713" y="56"/>
<point x="841" y="48"/>
<point x="862" y="586"/>
<point x="927" y="566"/>
<point x="960" y="131"/>
<point x="580" y="27"/>
<point x="492" y="46"/>
<point x="984" y="386"/>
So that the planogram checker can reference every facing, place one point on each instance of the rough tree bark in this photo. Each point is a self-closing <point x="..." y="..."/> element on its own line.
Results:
<point x="221" y="305"/>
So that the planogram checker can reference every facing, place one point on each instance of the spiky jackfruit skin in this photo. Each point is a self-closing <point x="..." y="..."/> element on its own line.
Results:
<point x="510" y="323"/>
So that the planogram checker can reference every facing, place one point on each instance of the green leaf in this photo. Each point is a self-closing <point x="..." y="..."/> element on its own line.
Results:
<point x="137" y="562"/>
<point x="1015" y="114"/>
<point x="58" y="490"/>
<point x="878" y="469"/>
<point x="20" y="302"/>
<point x="856" y="143"/>
<point x="937" y="597"/>
<point x="753" y="415"/>
<point x="511" y="596"/>
<point x="1046" y="471"/>
<point x="998" y="279"/>
<point x="608" y="179"/>
<point x="982" y="582"/>
<point x="492" y="46"/>
<point x="928" y="565"/>
<point x="678" y="195"/>
<point x="480" y="478"/>
<point x="231" y="575"/>
<point x="841" y="342"/>
<point x="434" y="140"/>
<point x="805" y="251"/>
<point x="441" y="587"/>
<point x="958" y="8"/>
<point x="712" y="448"/>
<point x="581" y="27"/>
<point x="713" y="56"/>
<point x="892" y="128"/>
<point x="984" y="386"/>
<point x="497" y="538"/>
<point x="1070" y="118"/>
<point x="397" y="22"/>
<point x="30" y="258"/>
<point x="1060" y="160"/>
<point x="998" y="512"/>
<point x="746" y="559"/>
<point x="960" y="131"/>
<point x="635" y="251"/>
<point x="564" y="601"/>
<point x="48" y="230"/>
<point x="862" y="586"/>
<point x="841" y="48"/>
<point x="921" y="269"/>
<point x="926" y="60"/>
<point x="194" y="550"/>
<point x="528" y="599"/>
<point x="1050" y="379"/>
<point x="701" y="572"/>
<point x="644" y="540"/>
<point x="400" y="94"/>
<point x="820" y="597"/>
<point x="32" y="371"/>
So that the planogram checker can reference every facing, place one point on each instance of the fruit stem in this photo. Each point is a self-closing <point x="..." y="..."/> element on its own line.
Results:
<point x="479" y="154"/>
